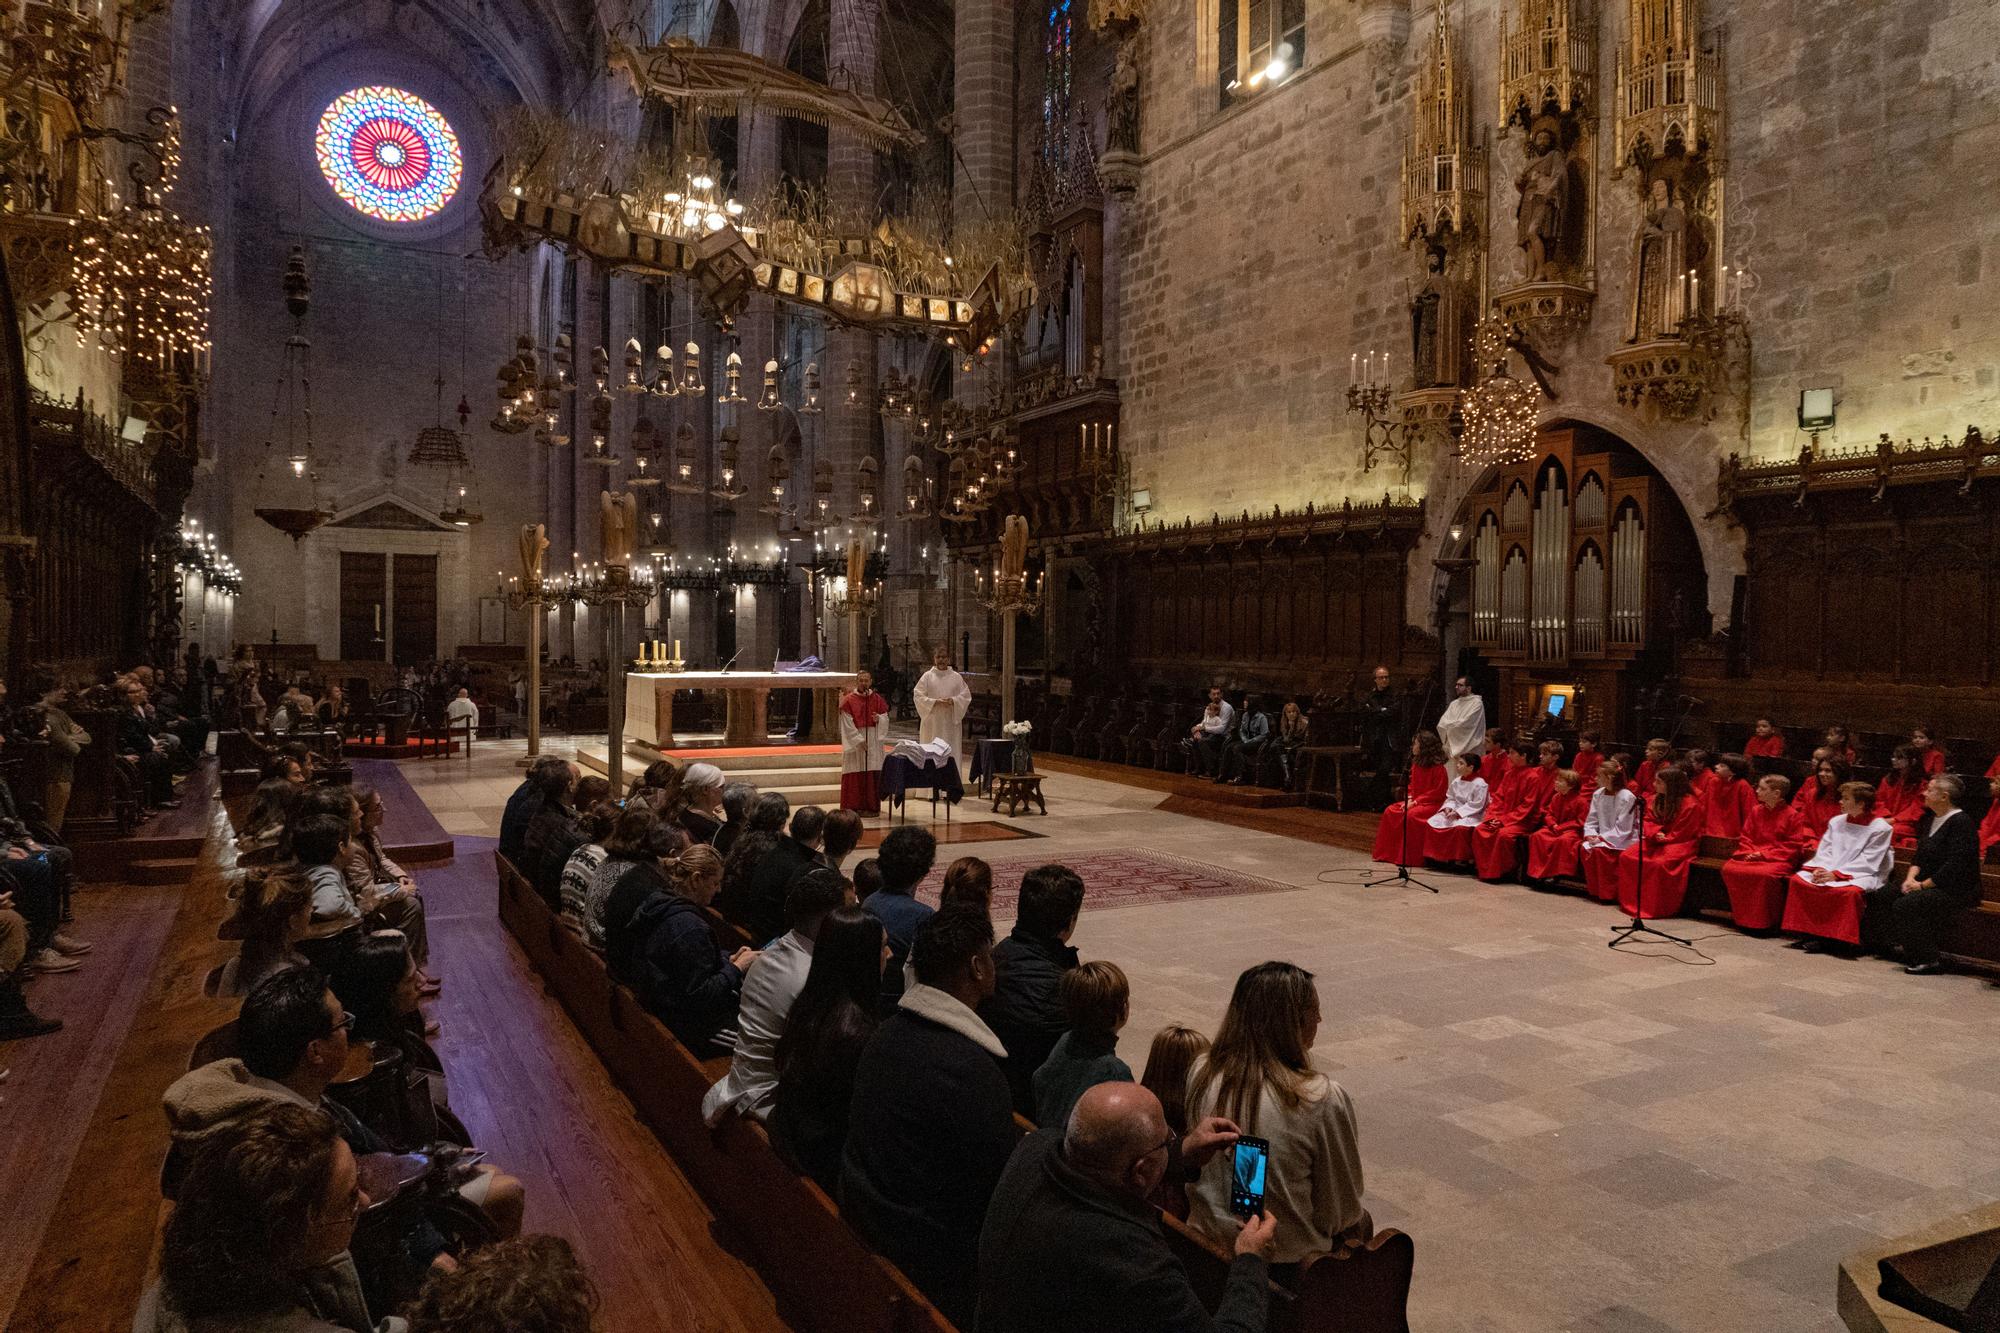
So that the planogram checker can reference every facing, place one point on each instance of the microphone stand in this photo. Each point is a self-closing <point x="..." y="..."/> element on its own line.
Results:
<point x="1403" y="876"/>
<point x="1637" y="925"/>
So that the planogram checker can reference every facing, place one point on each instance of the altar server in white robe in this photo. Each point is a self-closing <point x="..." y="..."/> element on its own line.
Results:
<point x="942" y="699"/>
<point x="864" y="723"/>
<point x="1450" y="837"/>
<point x="1463" y="726"/>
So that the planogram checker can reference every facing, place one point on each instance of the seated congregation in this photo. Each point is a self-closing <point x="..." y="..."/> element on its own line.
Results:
<point x="1844" y="864"/>
<point x="960" y="1100"/>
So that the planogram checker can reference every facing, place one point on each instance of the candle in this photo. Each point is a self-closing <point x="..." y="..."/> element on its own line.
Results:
<point x="378" y="617"/>
<point x="1696" y="279"/>
<point x="677" y="649"/>
<point x="1353" y="367"/>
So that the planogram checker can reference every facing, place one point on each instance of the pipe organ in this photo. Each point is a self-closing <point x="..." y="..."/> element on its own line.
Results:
<point x="1570" y="552"/>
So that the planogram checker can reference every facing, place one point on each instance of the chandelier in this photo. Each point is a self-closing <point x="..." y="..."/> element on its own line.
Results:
<point x="1500" y="410"/>
<point x="143" y="274"/>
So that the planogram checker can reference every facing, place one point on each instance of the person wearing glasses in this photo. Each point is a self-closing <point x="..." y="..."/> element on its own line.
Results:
<point x="1072" y="1242"/>
<point x="292" y="1043"/>
<point x="258" y="1237"/>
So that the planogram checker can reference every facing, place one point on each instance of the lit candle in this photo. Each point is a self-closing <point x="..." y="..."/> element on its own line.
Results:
<point x="1696" y="278"/>
<point x="677" y="649"/>
<point x="1353" y="367"/>
<point x="378" y="617"/>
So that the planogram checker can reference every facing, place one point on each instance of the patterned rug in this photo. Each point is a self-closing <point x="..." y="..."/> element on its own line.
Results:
<point x="1116" y="879"/>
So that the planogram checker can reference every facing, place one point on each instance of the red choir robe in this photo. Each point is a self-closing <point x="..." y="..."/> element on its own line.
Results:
<point x="1769" y="848"/>
<point x="1902" y="804"/>
<point x="1586" y="765"/>
<point x="1552" y="848"/>
<point x="1993" y="770"/>
<point x="1989" y="832"/>
<point x="1727" y="808"/>
<point x="1495" y="768"/>
<point x="861" y="734"/>
<point x="1669" y="848"/>
<point x="1496" y="843"/>
<point x="1399" y="838"/>
<point x="1860" y="854"/>
<point x="1765" y="747"/>
<point x="1642" y="782"/>
<point x="1816" y="808"/>
<point x="1933" y="761"/>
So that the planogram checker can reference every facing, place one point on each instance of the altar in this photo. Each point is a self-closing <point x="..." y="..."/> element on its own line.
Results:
<point x="649" y="703"/>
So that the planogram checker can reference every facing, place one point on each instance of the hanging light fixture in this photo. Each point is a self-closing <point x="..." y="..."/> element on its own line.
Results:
<point x="732" y="380"/>
<point x="1500" y="411"/>
<point x="691" y="381"/>
<point x="768" y="401"/>
<point x="685" y="457"/>
<point x="290" y="502"/>
<point x="635" y="365"/>
<point x="663" y="382"/>
<point x="867" y="485"/>
<point x="809" y="404"/>
<point x="601" y="451"/>
<point x="728" y="484"/>
<point x="779" y="468"/>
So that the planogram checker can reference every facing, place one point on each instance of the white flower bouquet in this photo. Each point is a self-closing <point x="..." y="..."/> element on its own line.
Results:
<point x="1016" y="729"/>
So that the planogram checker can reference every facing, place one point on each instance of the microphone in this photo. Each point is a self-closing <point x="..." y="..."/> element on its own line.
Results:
<point x="1693" y="702"/>
<point x="731" y="662"/>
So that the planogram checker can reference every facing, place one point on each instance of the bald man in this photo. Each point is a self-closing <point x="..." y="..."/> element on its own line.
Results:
<point x="1071" y="1241"/>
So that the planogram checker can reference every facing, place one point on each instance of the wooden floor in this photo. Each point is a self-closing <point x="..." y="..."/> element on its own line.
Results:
<point x="84" y="1136"/>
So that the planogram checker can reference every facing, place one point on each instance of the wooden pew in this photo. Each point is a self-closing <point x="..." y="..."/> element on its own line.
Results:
<point x="824" y="1276"/>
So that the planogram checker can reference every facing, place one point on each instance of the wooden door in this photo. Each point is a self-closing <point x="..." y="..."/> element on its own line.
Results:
<point x="363" y="603"/>
<point x="416" y="636"/>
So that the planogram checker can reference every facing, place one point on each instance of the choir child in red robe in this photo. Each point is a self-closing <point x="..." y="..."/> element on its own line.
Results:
<point x="1993" y="769"/>
<point x="1730" y="797"/>
<point x="1512" y="816"/>
<point x="1699" y="764"/>
<point x="1825" y="901"/>
<point x="1899" y="796"/>
<point x="1989" y="827"/>
<point x="1496" y="759"/>
<point x="1764" y="742"/>
<point x="1653" y="872"/>
<point x="1772" y="842"/>
<point x="1609" y="827"/>
<point x="1448" y="833"/>
<point x="1841" y="742"/>
<point x="1930" y="755"/>
<point x="1399" y="838"/>
<point x="1589" y="754"/>
<point x="1658" y="752"/>
<point x="1554" y="848"/>
<point x="1818" y="801"/>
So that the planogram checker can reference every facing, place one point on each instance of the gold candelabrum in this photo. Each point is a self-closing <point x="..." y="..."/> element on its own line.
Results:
<point x="1003" y="593"/>
<point x="653" y="657"/>
<point x="851" y="602"/>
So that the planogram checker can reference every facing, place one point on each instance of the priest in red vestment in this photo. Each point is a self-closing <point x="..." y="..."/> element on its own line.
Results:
<point x="863" y="728"/>
<point x="1899" y="797"/>
<point x="1772" y="842"/>
<point x="1730" y="797"/>
<point x="1818" y="801"/>
<point x="1553" y="848"/>
<point x="1399" y="837"/>
<point x="1765" y="742"/>
<point x="1825" y="899"/>
<point x="1517" y="811"/>
<point x="1653" y="872"/>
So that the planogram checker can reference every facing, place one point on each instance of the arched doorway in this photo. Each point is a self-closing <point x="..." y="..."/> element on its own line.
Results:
<point x="1574" y="579"/>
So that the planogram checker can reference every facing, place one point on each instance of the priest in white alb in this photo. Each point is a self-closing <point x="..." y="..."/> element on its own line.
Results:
<point x="942" y="699"/>
<point x="1463" y="726"/>
<point x="864" y="722"/>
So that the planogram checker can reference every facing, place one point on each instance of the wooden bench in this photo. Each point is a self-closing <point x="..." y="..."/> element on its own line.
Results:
<point x="823" y="1275"/>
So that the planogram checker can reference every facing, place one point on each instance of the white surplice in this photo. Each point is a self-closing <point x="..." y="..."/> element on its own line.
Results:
<point x="942" y="699"/>
<point x="1464" y="804"/>
<point x="1463" y="726"/>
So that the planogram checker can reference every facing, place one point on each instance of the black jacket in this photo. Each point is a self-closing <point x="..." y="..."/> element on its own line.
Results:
<point x="1059" y="1253"/>
<point x="1950" y="859"/>
<point x="761" y="908"/>
<point x="553" y="833"/>
<point x="930" y="1130"/>
<point x="1026" y="1010"/>
<point x="669" y="957"/>
<point x="514" y="820"/>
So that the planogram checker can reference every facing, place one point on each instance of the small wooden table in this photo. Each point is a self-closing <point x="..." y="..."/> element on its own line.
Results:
<point x="1017" y="790"/>
<point x="1337" y="755"/>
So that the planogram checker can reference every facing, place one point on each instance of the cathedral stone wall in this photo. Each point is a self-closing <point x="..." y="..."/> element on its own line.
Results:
<point x="1863" y="150"/>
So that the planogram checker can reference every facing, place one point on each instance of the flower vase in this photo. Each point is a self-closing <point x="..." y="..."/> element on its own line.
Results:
<point x="1024" y="758"/>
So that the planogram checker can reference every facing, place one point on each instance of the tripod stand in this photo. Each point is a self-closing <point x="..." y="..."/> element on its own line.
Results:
<point x="1402" y="875"/>
<point x="1637" y="925"/>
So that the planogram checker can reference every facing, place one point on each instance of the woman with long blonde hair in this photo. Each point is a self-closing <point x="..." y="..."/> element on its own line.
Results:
<point x="1259" y="1073"/>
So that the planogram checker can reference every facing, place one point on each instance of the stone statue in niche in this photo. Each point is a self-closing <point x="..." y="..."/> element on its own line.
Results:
<point x="620" y="517"/>
<point x="1659" y="267"/>
<point x="1122" y="105"/>
<point x="1543" y="214"/>
<point x="1436" y="327"/>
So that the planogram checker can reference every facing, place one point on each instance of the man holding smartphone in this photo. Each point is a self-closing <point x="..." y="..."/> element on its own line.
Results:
<point x="1072" y="1240"/>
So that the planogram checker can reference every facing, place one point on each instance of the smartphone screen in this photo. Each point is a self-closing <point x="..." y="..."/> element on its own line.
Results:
<point x="1249" y="1159"/>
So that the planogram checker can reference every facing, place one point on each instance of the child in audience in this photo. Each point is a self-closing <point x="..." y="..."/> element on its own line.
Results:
<point x="1448" y="840"/>
<point x="968" y="883"/>
<point x="1175" y="1049"/>
<point x="1096" y="1001"/>
<point x="531" y="1284"/>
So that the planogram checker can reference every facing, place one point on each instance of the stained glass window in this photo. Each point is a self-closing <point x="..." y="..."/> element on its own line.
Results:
<point x="1060" y="57"/>
<point x="389" y="154"/>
